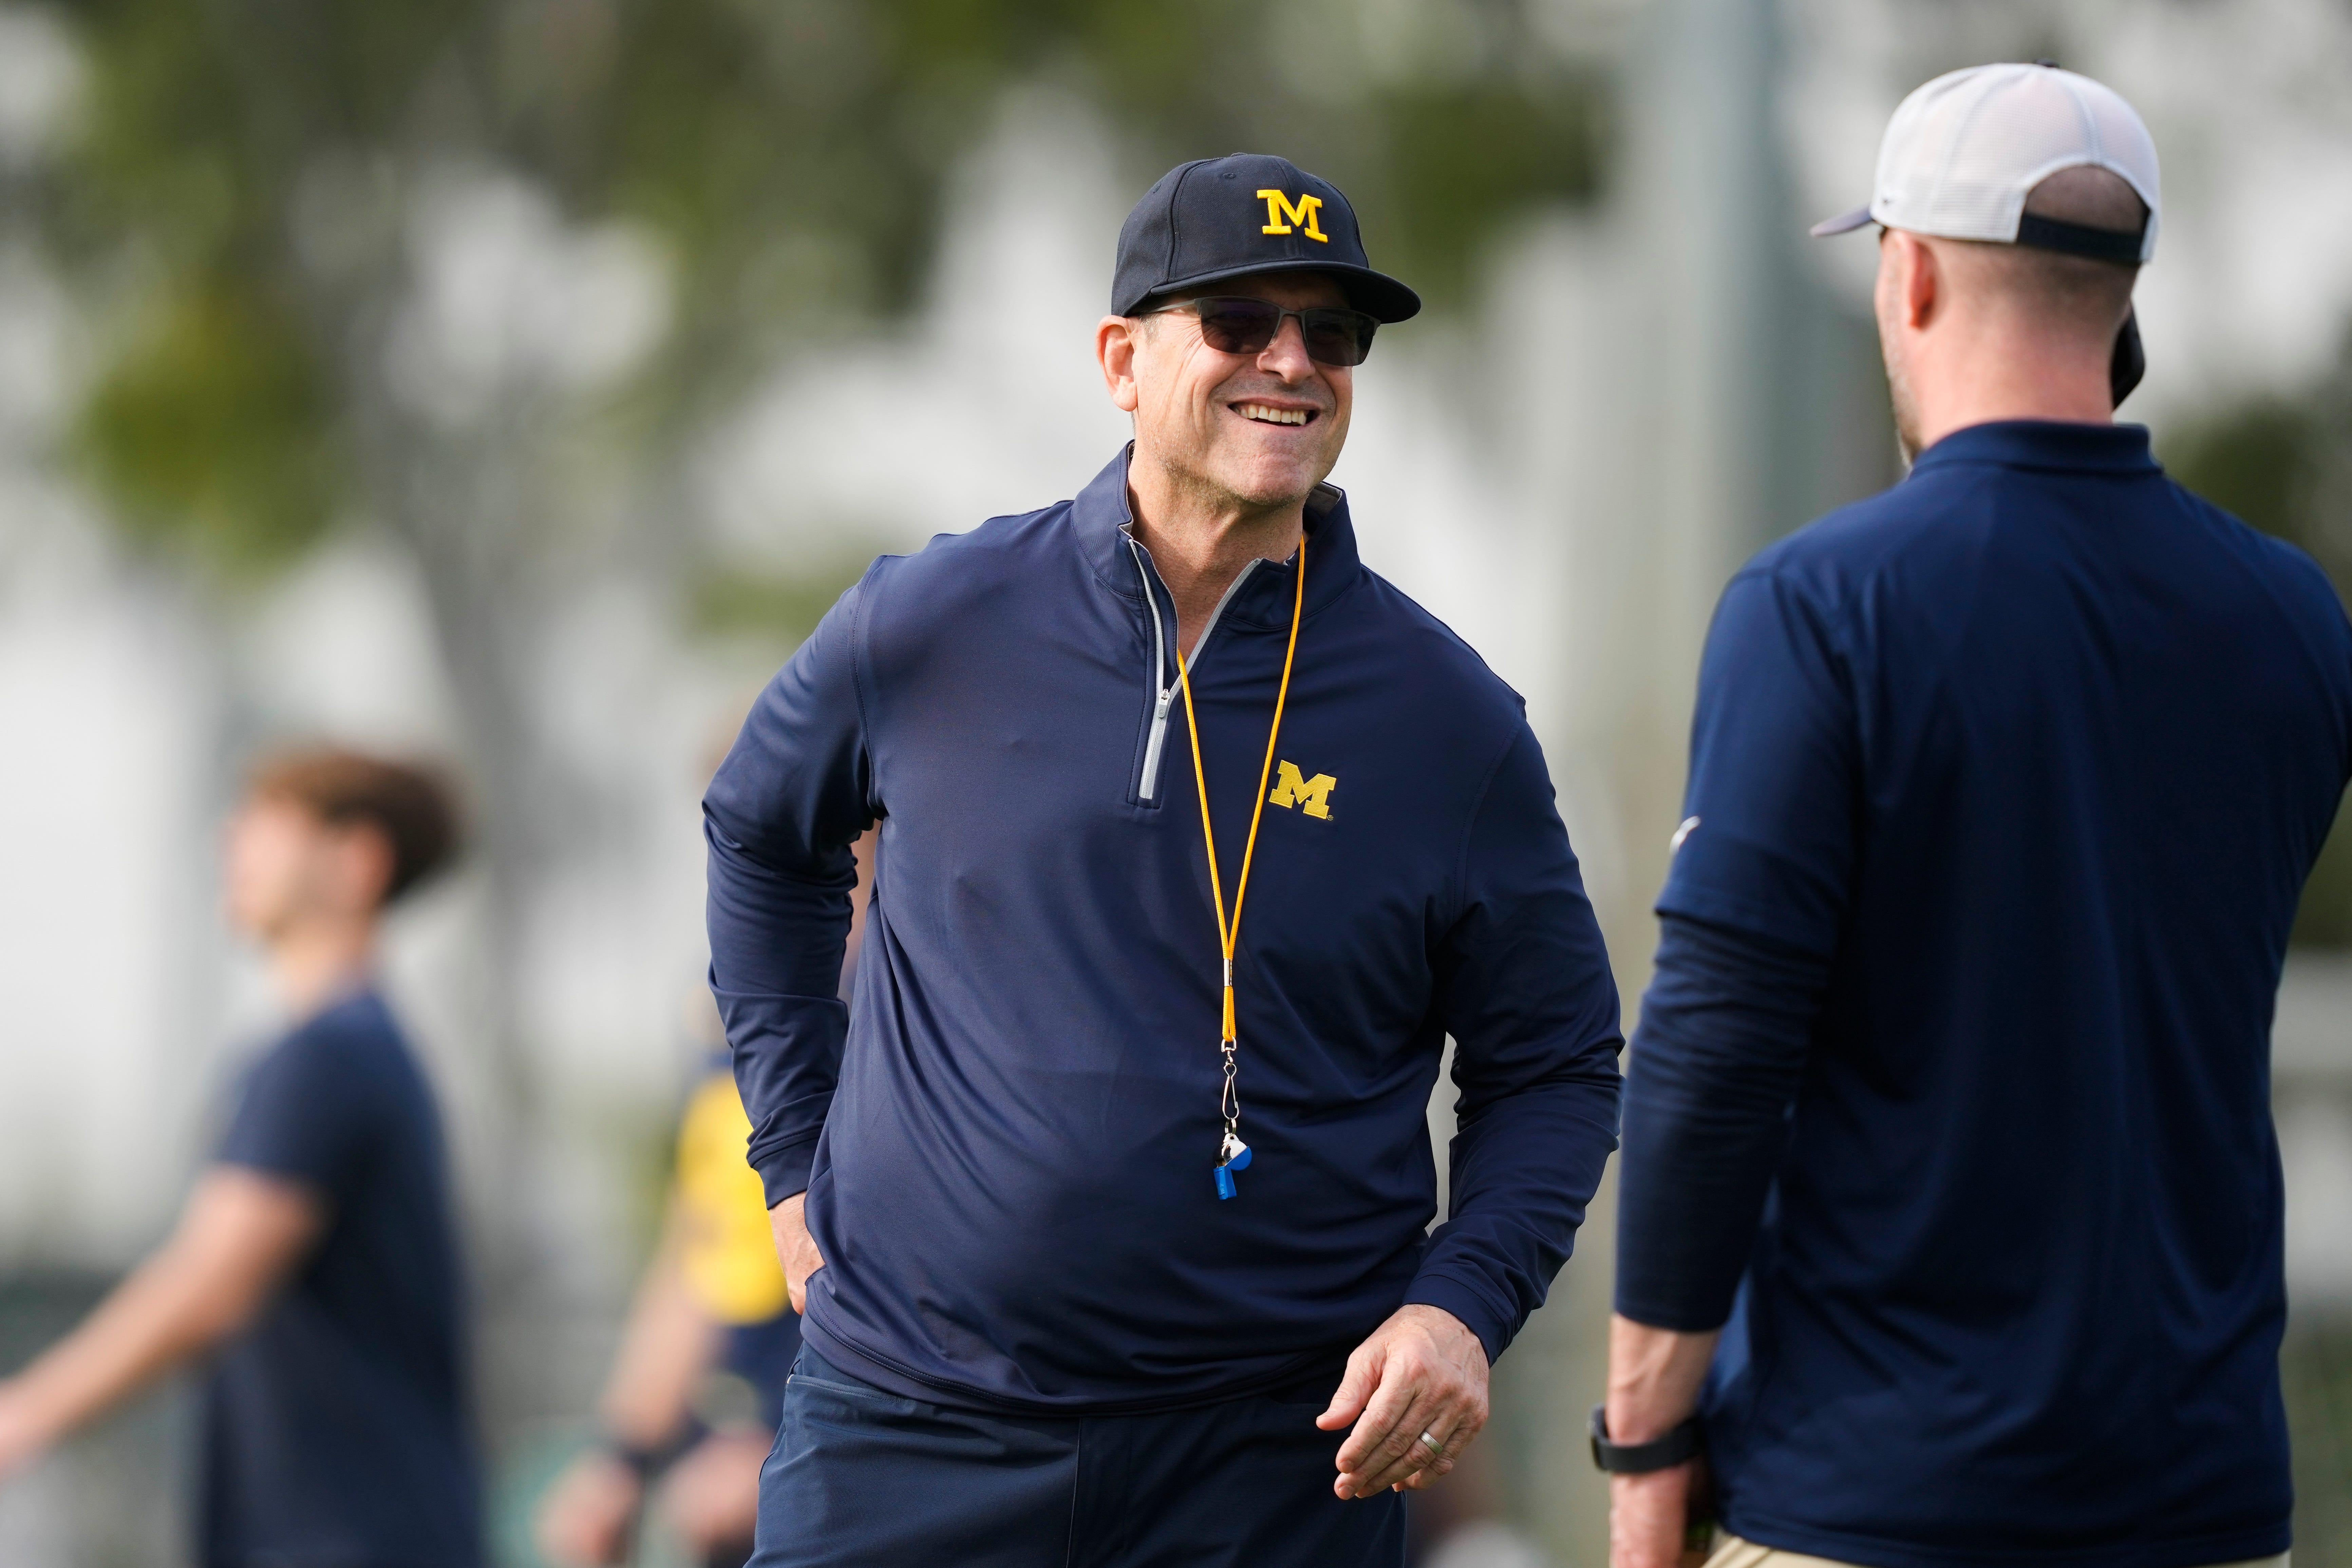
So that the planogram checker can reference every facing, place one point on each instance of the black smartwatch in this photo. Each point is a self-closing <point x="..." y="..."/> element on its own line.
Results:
<point x="1641" y="1459"/>
<point x="646" y="1463"/>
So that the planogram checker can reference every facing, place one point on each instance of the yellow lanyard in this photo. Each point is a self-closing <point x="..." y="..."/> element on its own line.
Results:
<point x="1232" y="1154"/>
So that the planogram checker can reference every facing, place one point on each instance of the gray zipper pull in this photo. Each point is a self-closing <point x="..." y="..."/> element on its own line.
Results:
<point x="1157" y="743"/>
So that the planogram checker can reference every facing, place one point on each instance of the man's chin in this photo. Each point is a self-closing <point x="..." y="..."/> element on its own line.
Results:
<point x="1270" y="483"/>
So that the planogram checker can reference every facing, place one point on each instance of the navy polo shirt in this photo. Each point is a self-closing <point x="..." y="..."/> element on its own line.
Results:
<point x="2004" y="785"/>
<point x="336" y="1427"/>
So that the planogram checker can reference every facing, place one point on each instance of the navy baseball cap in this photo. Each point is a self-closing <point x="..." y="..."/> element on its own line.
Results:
<point x="1218" y="218"/>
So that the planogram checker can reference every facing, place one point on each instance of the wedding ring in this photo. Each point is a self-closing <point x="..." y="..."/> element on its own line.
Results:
<point x="1432" y="1444"/>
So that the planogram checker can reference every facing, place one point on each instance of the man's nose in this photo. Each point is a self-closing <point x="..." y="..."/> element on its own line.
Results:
<point x="1287" y="355"/>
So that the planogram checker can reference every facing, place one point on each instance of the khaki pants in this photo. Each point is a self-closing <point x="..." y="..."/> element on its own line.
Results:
<point x="1730" y="1552"/>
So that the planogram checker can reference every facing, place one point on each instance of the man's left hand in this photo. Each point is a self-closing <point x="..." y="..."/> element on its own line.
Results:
<point x="1421" y="1371"/>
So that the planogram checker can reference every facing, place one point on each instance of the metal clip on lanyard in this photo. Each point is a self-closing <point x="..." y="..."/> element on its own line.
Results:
<point x="1232" y="1155"/>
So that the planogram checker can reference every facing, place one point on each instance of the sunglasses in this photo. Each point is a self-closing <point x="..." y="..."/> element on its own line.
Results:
<point x="1232" y="324"/>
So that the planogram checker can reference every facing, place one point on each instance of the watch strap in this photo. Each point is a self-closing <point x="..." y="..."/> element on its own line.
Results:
<point x="1641" y="1459"/>
<point x="646" y="1462"/>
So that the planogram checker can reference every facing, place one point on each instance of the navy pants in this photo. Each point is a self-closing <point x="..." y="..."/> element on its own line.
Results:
<point x="860" y="1477"/>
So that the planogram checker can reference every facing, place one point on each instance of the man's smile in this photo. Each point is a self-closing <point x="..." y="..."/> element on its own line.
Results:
<point x="1273" y="414"/>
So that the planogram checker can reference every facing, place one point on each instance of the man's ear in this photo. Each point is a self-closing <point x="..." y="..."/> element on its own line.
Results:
<point x="1115" y="346"/>
<point x="1920" y="280"/>
<point x="365" y="861"/>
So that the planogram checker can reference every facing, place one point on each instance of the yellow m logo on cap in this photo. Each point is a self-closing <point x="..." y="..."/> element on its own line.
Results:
<point x="1313" y="796"/>
<point x="1281" y="212"/>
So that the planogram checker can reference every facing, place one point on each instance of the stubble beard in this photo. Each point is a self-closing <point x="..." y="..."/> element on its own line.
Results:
<point x="1214" y="481"/>
<point x="1905" y="408"/>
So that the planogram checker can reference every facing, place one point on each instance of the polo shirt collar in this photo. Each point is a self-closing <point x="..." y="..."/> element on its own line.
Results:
<point x="2048" y="444"/>
<point x="1103" y="520"/>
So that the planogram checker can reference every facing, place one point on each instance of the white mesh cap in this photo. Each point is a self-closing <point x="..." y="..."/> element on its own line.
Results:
<point x="1962" y="152"/>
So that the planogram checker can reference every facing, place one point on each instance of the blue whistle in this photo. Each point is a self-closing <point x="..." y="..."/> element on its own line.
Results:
<point x="1225" y="1188"/>
<point x="1240" y="1161"/>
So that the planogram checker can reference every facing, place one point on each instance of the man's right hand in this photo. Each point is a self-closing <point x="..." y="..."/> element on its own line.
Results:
<point x="587" y="1517"/>
<point x="795" y="1248"/>
<point x="1649" y="1519"/>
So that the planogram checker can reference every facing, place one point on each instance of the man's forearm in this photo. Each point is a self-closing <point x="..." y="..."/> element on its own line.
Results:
<point x="241" y="1233"/>
<point x="667" y="1346"/>
<point x="1523" y="1173"/>
<point x="153" y="1321"/>
<point x="776" y="944"/>
<point x="1654" y="1378"/>
<point x="1654" y="1383"/>
<point x="1720" y="1054"/>
<point x="1725" y="1031"/>
<point x="779" y="820"/>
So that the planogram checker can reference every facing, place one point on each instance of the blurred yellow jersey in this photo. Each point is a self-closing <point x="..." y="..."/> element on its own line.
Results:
<point x="727" y="1251"/>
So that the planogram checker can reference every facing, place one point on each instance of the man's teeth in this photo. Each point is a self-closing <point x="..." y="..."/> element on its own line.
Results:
<point x="1274" y="416"/>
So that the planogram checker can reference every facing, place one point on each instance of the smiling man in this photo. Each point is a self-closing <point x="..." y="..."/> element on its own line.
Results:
<point x="1108" y="1194"/>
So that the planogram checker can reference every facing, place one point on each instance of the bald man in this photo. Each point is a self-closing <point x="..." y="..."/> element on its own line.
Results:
<point x="1951" y="1222"/>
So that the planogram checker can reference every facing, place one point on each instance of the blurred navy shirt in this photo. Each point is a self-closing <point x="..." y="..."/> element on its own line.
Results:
<point x="336" y="1428"/>
<point x="2004" y="785"/>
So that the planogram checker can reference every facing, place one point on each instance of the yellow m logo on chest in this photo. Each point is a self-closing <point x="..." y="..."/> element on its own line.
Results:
<point x="1312" y="796"/>
<point x="1281" y="212"/>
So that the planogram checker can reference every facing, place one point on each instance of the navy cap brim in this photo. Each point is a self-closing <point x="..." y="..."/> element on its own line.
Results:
<point x="1376" y="294"/>
<point x="1844" y="223"/>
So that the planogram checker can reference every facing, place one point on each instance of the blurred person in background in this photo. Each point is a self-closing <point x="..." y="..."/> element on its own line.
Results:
<point x="1108" y="1198"/>
<point x="316" y="1262"/>
<point x="1951" y="1217"/>
<point x="713" y="1301"/>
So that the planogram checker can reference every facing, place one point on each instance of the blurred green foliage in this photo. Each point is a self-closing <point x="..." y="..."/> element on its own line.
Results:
<point x="216" y="426"/>
<point x="2284" y="465"/>
<point x="792" y="153"/>
<point x="2261" y="461"/>
<point x="773" y="610"/>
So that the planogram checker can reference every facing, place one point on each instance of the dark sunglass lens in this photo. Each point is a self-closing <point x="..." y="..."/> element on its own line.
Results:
<point x="1238" y="326"/>
<point x="1339" y="337"/>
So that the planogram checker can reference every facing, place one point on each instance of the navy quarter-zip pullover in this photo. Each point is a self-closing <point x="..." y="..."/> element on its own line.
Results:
<point x="1952" y="1092"/>
<point x="1007" y="1137"/>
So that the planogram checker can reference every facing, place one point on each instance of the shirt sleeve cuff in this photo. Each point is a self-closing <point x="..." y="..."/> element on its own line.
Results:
<point x="285" y="1172"/>
<point x="1494" y="1329"/>
<point x="784" y="1169"/>
<point x="1679" y="1317"/>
